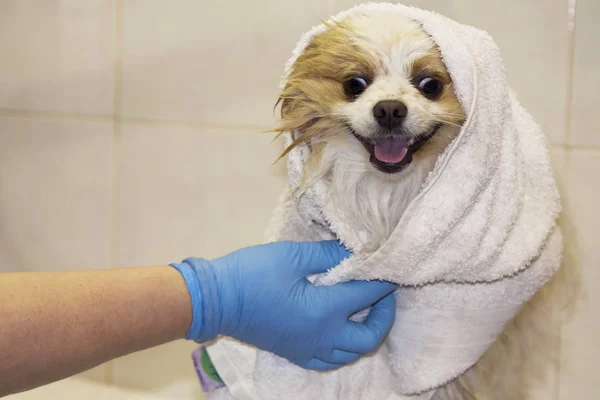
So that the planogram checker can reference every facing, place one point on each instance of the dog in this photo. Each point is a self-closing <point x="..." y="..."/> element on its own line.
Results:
<point x="372" y="98"/>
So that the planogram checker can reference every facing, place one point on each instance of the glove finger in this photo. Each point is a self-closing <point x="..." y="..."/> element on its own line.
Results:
<point x="339" y="357"/>
<point x="366" y="337"/>
<point x="356" y="296"/>
<point x="319" y="257"/>
<point x="318" y="365"/>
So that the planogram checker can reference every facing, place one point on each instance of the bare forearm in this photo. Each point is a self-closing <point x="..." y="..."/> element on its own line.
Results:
<point x="53" y="325"/>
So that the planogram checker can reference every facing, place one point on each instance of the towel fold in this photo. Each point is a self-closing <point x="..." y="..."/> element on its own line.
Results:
<point x="471" y="249"/>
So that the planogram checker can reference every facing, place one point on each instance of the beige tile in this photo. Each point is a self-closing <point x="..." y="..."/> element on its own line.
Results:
<point x="98" y="374"/>
<point x="55" y="185"/>
<point x="187" y="191"/>
<point x="166" y="371"/>
<point x="533" y="38"/>
<point x="579" y="374"/>
<point x="586" y="82"/>
<point x="78" y="389"/>
<point x="336" y="6"/>
<point x="547" y="389"/>
<point x="560" y="165"/>
<point x="210" y="61"/>
<point x="57" y="55"/>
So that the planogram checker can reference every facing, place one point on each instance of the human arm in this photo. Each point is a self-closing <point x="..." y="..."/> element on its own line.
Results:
<point x="53" y="325"/>
<point x="56" y="324"/>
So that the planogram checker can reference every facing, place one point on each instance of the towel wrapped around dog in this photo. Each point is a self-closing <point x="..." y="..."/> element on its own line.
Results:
<point x="472" y="248"/>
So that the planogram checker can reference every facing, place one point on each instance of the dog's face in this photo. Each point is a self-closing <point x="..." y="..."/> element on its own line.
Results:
<point x="377" y="81"/>
<point x="373" y="100"/>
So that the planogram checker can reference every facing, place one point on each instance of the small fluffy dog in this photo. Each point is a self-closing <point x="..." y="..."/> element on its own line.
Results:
<point x="373" y="99"/>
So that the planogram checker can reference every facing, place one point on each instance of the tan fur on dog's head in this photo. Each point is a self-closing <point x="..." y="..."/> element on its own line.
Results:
<point x="373" y="167"/>
<point x="393" y="56"/>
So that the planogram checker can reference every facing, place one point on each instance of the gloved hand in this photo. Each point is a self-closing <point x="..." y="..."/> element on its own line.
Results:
<point x="260" y="296"/>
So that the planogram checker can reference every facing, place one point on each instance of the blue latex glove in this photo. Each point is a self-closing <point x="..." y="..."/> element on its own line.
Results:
<point x="260" y="296"/>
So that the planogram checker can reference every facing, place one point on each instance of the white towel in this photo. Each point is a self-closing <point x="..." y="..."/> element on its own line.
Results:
<point x="475" y="245"/>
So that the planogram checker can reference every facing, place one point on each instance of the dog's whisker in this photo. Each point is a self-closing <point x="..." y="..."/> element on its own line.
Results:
<point x="446" y="122"/>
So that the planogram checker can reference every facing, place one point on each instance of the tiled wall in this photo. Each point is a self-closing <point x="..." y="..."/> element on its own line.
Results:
<point x="129" y="135"/>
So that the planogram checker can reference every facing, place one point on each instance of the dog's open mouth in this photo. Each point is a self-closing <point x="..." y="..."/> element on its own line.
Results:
<point x="393" y="153"/>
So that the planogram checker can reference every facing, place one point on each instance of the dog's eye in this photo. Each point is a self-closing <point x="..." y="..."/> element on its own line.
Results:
<point x="355" y="86"/>
<point x="430" y="87"/>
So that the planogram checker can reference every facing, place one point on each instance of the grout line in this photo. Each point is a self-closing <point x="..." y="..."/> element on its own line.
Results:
<point x="572" y="17"/>
<point x="556" y="387"/>
<point x="558" y="368"/>
<point x="234" y="128"/>
<point x="55" y="115"/>
<point x="196" y="124"/>
<point x="117" y="92"/>
<point x="52" y="115"/>
<point x="571" y="27"/>
<point x="582" y="149"/>
<point x="578" y="148"/>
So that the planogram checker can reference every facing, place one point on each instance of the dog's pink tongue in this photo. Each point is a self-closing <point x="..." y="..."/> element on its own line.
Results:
<point x="390" y="150"/>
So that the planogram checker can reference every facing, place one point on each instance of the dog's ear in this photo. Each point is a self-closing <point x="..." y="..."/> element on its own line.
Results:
<point x="313" y="85"/>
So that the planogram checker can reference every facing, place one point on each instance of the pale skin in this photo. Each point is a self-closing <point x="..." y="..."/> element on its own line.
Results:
<point x="70" y="322"/>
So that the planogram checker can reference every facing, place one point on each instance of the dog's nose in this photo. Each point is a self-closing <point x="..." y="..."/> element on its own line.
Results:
<point x="389" y="113"/>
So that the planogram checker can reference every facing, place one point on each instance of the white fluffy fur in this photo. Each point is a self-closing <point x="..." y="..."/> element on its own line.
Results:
<point x="372" y="202"/>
